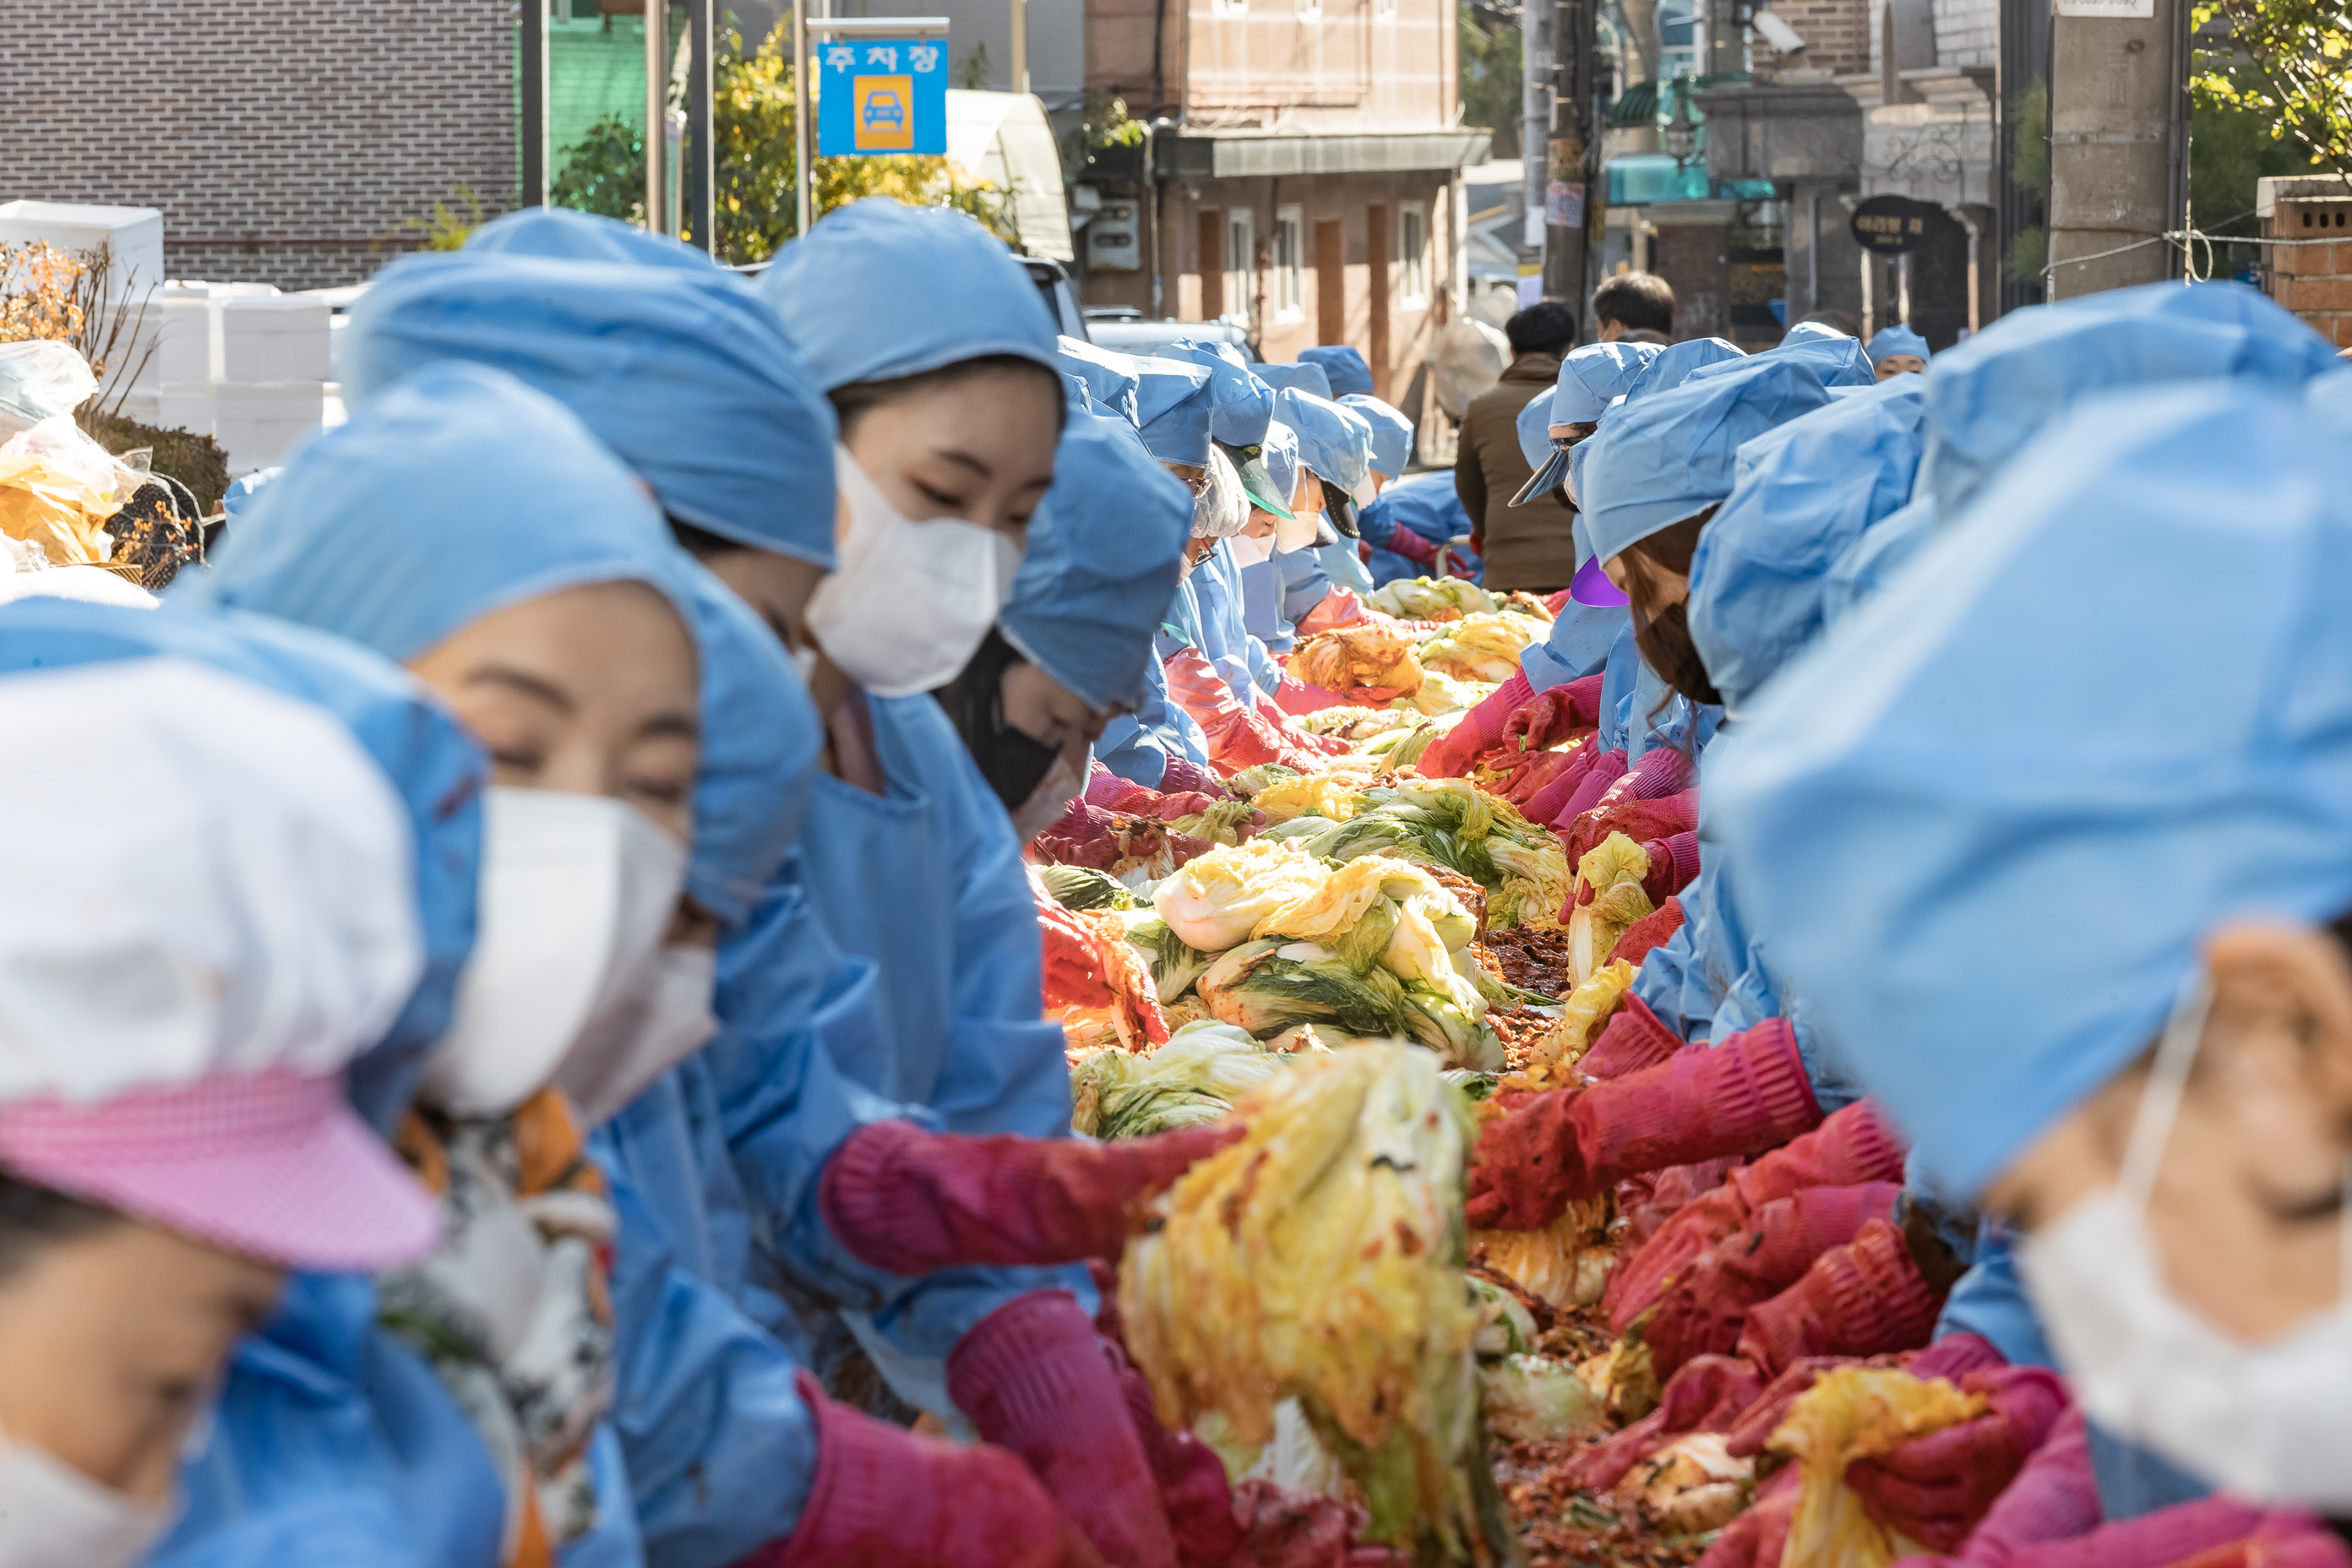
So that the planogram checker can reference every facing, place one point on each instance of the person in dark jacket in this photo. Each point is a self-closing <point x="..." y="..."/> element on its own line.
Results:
<point x="1531" y="546"/>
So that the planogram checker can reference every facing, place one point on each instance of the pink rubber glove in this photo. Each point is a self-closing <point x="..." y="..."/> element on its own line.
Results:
<point x="1707" y="1396"/>
<point x="1294" y="696"/>
<point x="1037" y="1381"/>
<point x="1654" y="929"/>
<point x="1570" y="796"/>
<point x="1742" y="1097"/>
<point x="1634" y="1038"/>
<point x="1637" y="818"/>
<point x="1935" y="1488"/>
<point x="1555" y="714"/>
<point x="912" y="1202"/>
<point x="883" y="1495"/>
<point x="2055" y="1497"/>
<point x="2286" y="1540"/>
<point x="1867" y="1298"/>
<point x="1674" y="861"/>
<point x="1480" y="729"/>
<point x="1852" y="1146"/>
<point x="1404" y="541"/>
<point x="1758" y="1538"/>
<point x="1646" y="1201"/>
<point x="2164" y="1538"/>
<point x="1704" y="1309"/>
<point x="1193" y="1491"/>
<point x="1184" y="775"/>
<point x="1746" y="1437"/>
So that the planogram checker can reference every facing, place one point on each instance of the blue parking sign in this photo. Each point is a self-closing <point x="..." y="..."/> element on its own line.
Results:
<point x="878" y="96"/>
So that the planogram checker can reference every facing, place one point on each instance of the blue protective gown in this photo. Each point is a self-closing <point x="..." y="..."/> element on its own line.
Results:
<point x="1425" y="504"/>
<point x="1226" y="642"/>
<point x="1136" y="746"/>
<point x="1304" y="584"/>
<point x="1263" y="594"/>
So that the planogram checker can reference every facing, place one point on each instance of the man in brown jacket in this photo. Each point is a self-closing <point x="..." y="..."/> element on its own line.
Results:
<point x="1529" y="546"/>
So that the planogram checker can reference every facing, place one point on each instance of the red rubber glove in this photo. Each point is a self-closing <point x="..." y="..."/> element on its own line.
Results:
<point x="1558" y="807"/>
<point x="1555" y="714"/>
<point x="1707" y="1396"/>
<point x="1340" y="607"/>
<point x="1089" y="964"/>
<point x="1646" y="1201"/>
<point x="1037" y="1381"/>
<point x="2168" y="1538"/>
<point x="1935" y="1488"/>
<point x="1704" y="1309"/>
<point x="2054" y="1499"/>
<point x="1294" y="696"/>
<point x="1404" y="541"/>
<point x="1477" y="732"/>
<point x="1760" y="1537"/>
<point x="1742" y="1097"/>
<point x="1852" y="1146"/>
<point x="2286" y="1539"/>
<point x="912" y="1202"/>
<point x="1192" y="1488"/>
<point x="1867" y="1298"/>
<point x="883" y="1494"/>
<point x="1661" y="772"/>
<point x="1521" y="776"/>
<point x="1634" y="1038"/>
<point x="1756" y="1424"/>
<point x="1183" y="774"/>
<point x="1650" y="932"/>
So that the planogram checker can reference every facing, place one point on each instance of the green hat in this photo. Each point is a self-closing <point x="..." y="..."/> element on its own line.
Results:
<point x="1250" y="463"/>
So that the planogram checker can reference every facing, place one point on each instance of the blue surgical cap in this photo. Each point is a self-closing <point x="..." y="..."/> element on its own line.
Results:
<point x="1279" y="453"/>
<point x="1758" y="581"/>
<point x="686" y="374"/>
<point x="1343" y="368"/>
<point x="1239" y="403"/>
<point x="454" y="493"/>
<point x="565" y="234"/>
<point x="1110" y="378"/>
<point x="1392" y="433"/>
<point x="1809" y="333"/>
<point x="438" y="772"/>
<point x="1674" y="363"/>
<point x="1838" y="360"/>
<point x="1594" y="376"/>
<point x="1334" y="445"/>
<point x="1172" y="408"/>
<point x="1305" y="375"/>
<point x="1991" y="395"/>
<point x="1898" y="339"/>
<point x="1987" y="749"/>
<point x="1663" y="457"/>
<point x="1106" y="552"/>
<point x="1534" y="425"/>
<point x="877" y="290"/>
<point x="761" y="743"/>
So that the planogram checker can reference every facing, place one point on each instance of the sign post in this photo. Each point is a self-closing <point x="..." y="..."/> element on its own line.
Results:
<point x="881" y="89"/>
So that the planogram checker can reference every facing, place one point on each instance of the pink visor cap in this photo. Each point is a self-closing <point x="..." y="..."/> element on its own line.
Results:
<point x="182" y="988"/>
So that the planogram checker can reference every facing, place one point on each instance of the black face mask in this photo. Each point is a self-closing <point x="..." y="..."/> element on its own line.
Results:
<point x="1665" y="641"/>
<point x="1013" y="762"/>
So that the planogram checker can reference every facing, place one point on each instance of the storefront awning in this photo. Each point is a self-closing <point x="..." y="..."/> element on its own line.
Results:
<point x="1191" y="155"/>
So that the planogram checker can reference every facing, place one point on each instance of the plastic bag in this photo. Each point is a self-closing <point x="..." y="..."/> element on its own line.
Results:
<point x="40" y="380"/>
<point x="58" y="487"/>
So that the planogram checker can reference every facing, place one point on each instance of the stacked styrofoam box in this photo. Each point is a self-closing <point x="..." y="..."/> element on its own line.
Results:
<point x="175" y="393"/>
<point x="274" y="375"/>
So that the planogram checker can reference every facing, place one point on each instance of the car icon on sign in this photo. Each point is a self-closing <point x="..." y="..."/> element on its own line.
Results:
<point x="883" y="110"/>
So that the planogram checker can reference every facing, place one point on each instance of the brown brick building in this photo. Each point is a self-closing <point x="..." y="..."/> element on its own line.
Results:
<point x="1301" y="176"/>
<point x="2313" y="274"/>
<point x="283" y="140"/>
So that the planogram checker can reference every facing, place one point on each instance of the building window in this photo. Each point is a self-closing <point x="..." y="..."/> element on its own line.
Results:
<point x="1310" y="10"/>
<point x="1229" y="7"/>
<point x="1289" y="263"/>
<point x="1241" y="264"/>
<point x="1412" y="251"/>
<point x="1384" y="10"/>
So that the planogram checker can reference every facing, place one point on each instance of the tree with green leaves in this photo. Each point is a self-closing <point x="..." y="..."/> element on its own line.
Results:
<point x="753" y="104"/>
<point x="2286" y="61"/>
<point x="1490" y="72"/>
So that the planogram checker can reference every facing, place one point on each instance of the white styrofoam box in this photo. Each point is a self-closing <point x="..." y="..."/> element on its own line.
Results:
<point x="135" y="236"/>
<point x="257" y="423"/>
<point x="173" y="405"/>
<point x="275" y="338"/>
<point x="188" y="347"/>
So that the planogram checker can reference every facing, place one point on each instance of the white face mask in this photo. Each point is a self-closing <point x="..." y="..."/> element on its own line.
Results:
<point x="1296" y="533"/>
<point x="2270" y="1423"/>
<point x="51" y="1513"/>
<point x="910" y="602"/>
<point x="1061" y="784"/>
<point x="577" y="891"/>
<point x="1248" y="551"/>
<point x="661" y="1019"/>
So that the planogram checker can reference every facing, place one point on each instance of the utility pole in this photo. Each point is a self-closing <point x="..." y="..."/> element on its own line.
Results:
<point x="2119" y="143"/>
<point x="701" y="129"/>
<point x="1572" y="164"/>
<point x="1021" y="46"/>
<point x="656" y="108"/>
<point x="532" y="59"/>
<point x="1537" y="27"/>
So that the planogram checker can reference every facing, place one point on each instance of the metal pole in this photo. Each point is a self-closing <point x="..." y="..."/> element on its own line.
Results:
<point x="804" y="105"/>
<point x="1535" y="115"/>
<point x="1021" y="46"/>
<point x="531" y="108"/>
<point x="2117" y="146"/>
<point x="701" y="130"/>
<point x="656" y="110"/>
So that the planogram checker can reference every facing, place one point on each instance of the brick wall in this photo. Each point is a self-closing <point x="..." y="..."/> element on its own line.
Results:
<point x="1836" y="34"/>
<point x="1968" y="32"/>
<point x="2315" y="281"/>
<point x="285" y="140"/>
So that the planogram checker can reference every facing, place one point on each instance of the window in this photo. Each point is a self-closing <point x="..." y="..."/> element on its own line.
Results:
<point x="1241" y="263"/>
<point x="1384" y="10"/>
<point x="1229" y="7"/>
<point x="1289" y="263"/>
<point x="1310" y="10"/>
<point x="1412" y="251"/>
